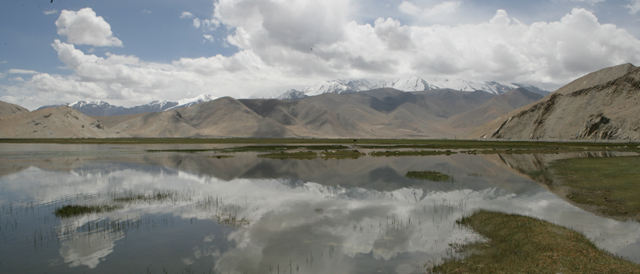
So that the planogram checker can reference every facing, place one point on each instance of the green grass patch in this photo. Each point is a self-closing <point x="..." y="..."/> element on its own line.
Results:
<point x="519" y="244"/>
<point x="256" y="149"/>
<point x="300" y="155"/>
<point x="429" y="175"/>
<point x="132" y="198"/>
<point x="394" y="153"/>
<point x="611" y="185"/>
<point x="341" y="154"/>
<point x="78" y="210"/>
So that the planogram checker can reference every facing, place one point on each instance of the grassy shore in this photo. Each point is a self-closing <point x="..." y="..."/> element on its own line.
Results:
<point x="519" y="244"/>
<point x="610" y="186"/>
<point x="364" y="143"/>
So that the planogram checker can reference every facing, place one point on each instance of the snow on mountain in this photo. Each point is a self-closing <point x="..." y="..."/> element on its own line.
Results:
<point x="80" y="104"/>
<point x="291" y="95"/>
<point x="340" y="86"/>
<point x="409" y="84"/>
<point x="412" y="83"/>
<point x="98" y="108"/>
<point x="466" y="85"/>
<point x="155" y="106"/>
<point x="192" y="101"/>
<point x="102" y="108"/>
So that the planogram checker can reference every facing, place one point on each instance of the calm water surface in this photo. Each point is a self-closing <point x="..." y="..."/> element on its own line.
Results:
<point x="254" y="215"/>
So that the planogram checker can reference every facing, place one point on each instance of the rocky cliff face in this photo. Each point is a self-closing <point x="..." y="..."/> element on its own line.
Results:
<point x="601" y="105"/>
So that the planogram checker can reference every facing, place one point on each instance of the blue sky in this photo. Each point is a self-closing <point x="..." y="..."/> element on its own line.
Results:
<point x="133" y="52"/>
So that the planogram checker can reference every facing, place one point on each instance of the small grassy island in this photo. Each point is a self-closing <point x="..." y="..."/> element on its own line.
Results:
<point x="78" y="210"/>
<point x="429" y="176"/>
<point x="519" y="244"/>
<point x="300" y="155"/>
<point x="341" y="154"/>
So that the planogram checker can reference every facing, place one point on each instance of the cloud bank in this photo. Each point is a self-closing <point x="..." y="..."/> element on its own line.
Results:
<point x="84" y="27"/>
<point x="286" y="43"/>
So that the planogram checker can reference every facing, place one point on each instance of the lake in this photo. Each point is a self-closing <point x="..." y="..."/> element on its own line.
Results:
<point x="177" y="212"/>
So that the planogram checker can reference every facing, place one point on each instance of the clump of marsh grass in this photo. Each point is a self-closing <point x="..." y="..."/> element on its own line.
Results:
<point x="429" y="176"/>
<point x="68" y="211"/>
<point x="233" y="221"/>
<point x="520" y="244"/>
<point x="341" y="154"/>
<point x="153" y="197"/>
<point x="300" y="155"/>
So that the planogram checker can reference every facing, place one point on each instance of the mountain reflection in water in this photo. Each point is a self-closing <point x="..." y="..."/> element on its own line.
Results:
<point x="254" y="215"/>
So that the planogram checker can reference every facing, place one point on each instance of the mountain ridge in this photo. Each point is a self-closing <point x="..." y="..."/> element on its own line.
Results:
<point x="102" y="108"/>
<point x="600" y="105"/>
<point x="378" y="113"/>
<point x="409" y="84"/>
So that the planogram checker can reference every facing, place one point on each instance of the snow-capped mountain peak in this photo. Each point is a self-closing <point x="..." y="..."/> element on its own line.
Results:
<point x="198" y="99"/>
<point x="292" y="94"/>
<point x="408" y="84"/>
<point x="411" y="83"/>
<point x="466" y="85"/>
<point x="160" y="103"/>
<point x="339" y="86"/>
<point x="79" y="104"/>
<point x="192" y="101"/>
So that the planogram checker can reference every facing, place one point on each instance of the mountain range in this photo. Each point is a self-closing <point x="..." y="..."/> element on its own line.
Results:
<point x="101" y="108"/>
<point x="412" y="83"/>
<point x="383" y="113"/>
<point x="600" y="105"/>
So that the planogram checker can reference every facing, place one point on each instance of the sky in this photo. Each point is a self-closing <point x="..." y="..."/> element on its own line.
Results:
<point x="133" y="52"/>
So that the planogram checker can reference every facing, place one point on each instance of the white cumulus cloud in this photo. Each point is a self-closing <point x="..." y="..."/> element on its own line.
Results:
<point x="634" y="6"/>
<point x="22" y="71"/>
<point x="196" y="22"/>
<point x="435" y="12"/>
<point x="206" y="24"/>
<point x="84" y="27"/>
<point x="186" y="15"/>
<point x="287" y="43"/>
<point x="208" y="38"/>
<point x="49" y="12"/>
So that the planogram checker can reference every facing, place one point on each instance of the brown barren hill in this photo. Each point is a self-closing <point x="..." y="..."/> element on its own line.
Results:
<point x="492" y="109"/>
<point x="601" y="105"/>
<point x="223" y="117"/>
<point x="62" y="122"/>
<point x="7" y="109"/>
<point x="112" y="121"/>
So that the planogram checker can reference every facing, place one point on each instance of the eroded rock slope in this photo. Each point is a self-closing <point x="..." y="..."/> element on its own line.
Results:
<point x="601" y="105"/>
